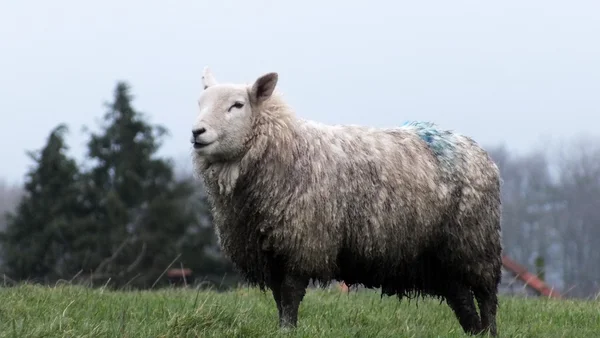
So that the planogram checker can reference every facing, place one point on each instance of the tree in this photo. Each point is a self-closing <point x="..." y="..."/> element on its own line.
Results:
<point x="550" y="213"/>
<point x="139" y="207"/>
<point x="578" y="219"/>
<point x="125" y="219"/>
<point x="528" y="203"/>
<point x="39" y="235"/>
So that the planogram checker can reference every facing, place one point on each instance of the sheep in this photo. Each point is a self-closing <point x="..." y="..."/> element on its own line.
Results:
<point x="413" y="210"/>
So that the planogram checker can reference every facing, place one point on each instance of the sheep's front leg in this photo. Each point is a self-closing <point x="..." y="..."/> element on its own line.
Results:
<point x="288" y="291"/>
<point x="276" y="289"/>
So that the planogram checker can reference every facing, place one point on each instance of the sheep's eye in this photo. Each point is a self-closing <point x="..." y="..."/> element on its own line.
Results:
<point x="237" y="105"/>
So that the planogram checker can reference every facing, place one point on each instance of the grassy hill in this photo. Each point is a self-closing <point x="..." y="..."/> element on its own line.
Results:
<point x="73" y="311"/>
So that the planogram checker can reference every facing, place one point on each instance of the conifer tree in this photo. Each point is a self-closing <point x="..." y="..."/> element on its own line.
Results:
<point x="139" y="206"/>
<point x="123" y="220"/>
<point x="37" y="241"/>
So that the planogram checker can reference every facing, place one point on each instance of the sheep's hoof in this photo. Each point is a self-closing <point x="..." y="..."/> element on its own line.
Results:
<point x="286" y="325"/>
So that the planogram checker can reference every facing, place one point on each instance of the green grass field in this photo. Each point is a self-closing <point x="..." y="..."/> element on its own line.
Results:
<point x="72" y="311"/>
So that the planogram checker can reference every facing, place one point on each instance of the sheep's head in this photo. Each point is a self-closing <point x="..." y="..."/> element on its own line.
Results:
<point x="225" y="116"/>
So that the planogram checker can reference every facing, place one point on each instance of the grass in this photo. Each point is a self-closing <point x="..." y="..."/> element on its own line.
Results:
<point x="76" y="311"/>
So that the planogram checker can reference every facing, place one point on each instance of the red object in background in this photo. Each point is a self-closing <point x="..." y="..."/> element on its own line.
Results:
<point x="529" y="279"/>
<point x="179" y="272"/>
<point x="180" y="277"/>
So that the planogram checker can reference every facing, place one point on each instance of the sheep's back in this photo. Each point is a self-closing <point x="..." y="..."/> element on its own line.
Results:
<point x="378" y="193"/>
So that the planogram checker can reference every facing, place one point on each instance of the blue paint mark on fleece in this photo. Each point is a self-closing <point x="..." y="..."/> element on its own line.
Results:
<point x="441" y="142"/>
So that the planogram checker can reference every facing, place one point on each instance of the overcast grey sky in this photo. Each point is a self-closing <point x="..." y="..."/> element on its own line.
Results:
<point x="500" y="71"/>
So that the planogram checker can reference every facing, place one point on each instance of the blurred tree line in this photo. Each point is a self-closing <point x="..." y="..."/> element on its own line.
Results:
<point x="127" y="217"/>
<point x="122" y="221"/>
<point x="551" y="213"/>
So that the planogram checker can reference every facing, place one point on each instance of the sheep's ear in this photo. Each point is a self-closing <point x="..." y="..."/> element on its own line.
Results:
<point x="207" y="78"/>
<point x="263" y="87"/>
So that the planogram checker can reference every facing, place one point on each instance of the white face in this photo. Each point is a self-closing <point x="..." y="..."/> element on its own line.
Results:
<point x="225" y="114"/>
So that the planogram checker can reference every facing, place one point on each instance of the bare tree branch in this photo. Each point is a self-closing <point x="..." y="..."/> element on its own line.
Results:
<point x="137" y="261"/>
<point x="112" y="257"/>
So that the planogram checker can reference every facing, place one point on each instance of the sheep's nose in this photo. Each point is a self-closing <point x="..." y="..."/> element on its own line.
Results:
<point x="195" y="133"/>
<point x="198" y="132"/>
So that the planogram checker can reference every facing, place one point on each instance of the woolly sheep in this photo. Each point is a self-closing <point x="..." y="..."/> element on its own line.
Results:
<point x="413" y="210"/>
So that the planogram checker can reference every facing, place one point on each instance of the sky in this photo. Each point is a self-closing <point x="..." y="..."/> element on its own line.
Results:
<point x="504" y="72"/>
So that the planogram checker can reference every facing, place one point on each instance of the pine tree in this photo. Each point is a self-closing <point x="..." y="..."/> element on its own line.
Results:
<point x="39" y="234"/>
<point x="123" y="220"/>
<point x="139" y="214"/>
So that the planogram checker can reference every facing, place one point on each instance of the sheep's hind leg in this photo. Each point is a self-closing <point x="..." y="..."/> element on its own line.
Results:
<point x="460" y="300"/>
<point x="288" y="292"/>
<point x="488" y="304"/>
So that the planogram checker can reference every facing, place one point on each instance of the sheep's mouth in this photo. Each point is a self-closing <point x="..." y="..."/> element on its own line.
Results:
<point x="199" y="145"/>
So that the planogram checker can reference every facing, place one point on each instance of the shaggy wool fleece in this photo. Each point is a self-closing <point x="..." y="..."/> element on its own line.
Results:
<point x="313" y="194"/>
